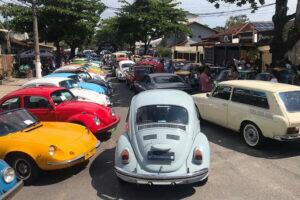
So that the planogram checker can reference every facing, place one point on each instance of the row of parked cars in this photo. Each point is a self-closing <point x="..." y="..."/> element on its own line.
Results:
<point x="54" y="122"/>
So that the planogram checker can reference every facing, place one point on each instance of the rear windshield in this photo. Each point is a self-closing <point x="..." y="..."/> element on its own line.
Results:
<point x="291" y="100"/>
<point x="162" y="114"/>
<point x="167" y="79"/>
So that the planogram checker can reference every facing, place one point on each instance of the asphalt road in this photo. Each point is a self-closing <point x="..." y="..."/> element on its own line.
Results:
<point x="237" y="171"/>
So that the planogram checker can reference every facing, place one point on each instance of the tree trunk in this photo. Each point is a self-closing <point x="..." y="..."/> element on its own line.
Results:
<point x="8" y="45"/>
<point x="278" y="48"/>
<point x="58" y="54"/>
<point x="72" y="53"/>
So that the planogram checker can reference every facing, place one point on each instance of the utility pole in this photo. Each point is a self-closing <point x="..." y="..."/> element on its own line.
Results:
<point x="38" y="69"/>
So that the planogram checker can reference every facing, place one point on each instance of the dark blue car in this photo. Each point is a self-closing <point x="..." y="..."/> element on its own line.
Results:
<point x="83" y="85"/>
<point x="9" y="185"/>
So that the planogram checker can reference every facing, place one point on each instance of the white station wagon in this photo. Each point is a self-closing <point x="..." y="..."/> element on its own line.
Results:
<point x="257" y="109"/>
<point x="163" y="144"/>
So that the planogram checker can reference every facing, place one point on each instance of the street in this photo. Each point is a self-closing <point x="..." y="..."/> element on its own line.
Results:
<point x="237" y="171"/>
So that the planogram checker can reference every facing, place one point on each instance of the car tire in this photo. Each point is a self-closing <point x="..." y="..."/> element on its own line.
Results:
<point x="25" y="167"/>
<point x="252" y="135"/>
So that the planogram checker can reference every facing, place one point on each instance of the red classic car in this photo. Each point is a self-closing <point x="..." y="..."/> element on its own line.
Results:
<point x="59" y="104"/>
<point x="155" y="62"/>
<point x="137" y="73"/>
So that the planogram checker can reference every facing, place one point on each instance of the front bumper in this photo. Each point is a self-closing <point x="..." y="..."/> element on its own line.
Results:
<point x="156" y="179"/>
<point x="11" y="193"/>
<point x="290" y="137"/>
<point x="77" y="159"/>
<point x="109" y="126"/>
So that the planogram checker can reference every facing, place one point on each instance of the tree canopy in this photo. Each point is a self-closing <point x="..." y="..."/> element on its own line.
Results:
<point x="236" y="20"/>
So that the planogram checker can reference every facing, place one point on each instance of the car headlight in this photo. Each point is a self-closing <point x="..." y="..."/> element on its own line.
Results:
<point x="97" y="121"/>
<point x="8" y="175"/>
<point x="113" y="112"/>
<point x="52" y="150"/>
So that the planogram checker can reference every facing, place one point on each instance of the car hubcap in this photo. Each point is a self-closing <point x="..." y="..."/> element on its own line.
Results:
<point x="23" y="169"/>
<point x="251" y="135"/>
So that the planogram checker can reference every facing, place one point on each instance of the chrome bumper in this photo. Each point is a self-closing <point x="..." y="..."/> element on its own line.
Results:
<point x="75" y="160"/>
<point x="9" y="194"/>
<point x="287" y="137"/>
<point x="161" y="179"/>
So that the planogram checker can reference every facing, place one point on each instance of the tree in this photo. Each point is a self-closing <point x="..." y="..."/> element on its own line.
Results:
<point x="279" y="46"/>
<point x="59" y="20"/>
<point x="236" y="21"/>
<point x="219" y="28"/>
<point x="145" y="20"/>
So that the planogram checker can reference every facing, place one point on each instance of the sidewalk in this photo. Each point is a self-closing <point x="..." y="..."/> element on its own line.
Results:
<point x="11" y="85"/>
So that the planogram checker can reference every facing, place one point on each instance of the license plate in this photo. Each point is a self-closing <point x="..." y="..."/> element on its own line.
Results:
<point x="89" y="154"/>
<point x="156" y="155"/>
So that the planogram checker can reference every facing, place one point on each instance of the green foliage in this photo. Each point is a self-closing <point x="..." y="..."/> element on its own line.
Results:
<point x="71" y="20"/>
<point x="236" y="21"/>
<point x="219" y="28"/>
<point x="164" y="52"/>
<point x="253" y="3"/>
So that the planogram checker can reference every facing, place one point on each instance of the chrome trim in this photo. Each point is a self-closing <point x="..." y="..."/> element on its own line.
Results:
<point x="9" y="194"/>
<point x="289" y="137"/>
<point x="159" y="125"/>
<point x="161" y="179"/>
<point x="66" y="162"/>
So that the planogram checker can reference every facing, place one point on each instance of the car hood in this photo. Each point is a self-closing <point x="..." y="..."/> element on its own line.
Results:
<point x="49" y="133"/>
<point x="90" y="96"/>
<point x="79" y="107"/>
<point x="168" y="140"/>
<point x="92" y="86"/>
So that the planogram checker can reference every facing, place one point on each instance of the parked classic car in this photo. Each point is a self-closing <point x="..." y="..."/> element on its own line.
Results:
<point x="29" y="145"/>
<point x="123" y="66"/>
<point x="162" y="81"/>
<point x="137" y="73"/>
<point x="155" y="62"/>
<point x="58" y="104"/>
<point x="82" y="94"/>
<point x="257" y="109"/>
<point x="81" y="83"/>
<point x="9" y="185"/>
<point x="163" y="144"/>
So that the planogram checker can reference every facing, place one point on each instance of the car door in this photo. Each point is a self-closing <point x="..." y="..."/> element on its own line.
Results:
<point x="217" y="105"/>
<point x="40" y="107"/>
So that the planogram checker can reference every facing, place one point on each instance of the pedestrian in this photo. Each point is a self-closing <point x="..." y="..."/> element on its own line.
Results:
<point x="205" y="82"/>
<point x="273" y="79"/>
<point x="233" y="73"/>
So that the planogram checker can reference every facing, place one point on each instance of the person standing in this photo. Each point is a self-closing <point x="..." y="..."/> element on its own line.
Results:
<point x="205" y="83"/>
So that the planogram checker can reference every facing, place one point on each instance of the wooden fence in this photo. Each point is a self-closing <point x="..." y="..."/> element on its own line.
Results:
<point x="6" y="65"/>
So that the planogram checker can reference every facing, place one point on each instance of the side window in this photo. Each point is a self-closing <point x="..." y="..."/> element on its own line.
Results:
<point x="250" y="97"/>
<point x="11" y="104"/>
<point x="34" y="102"/>
<point x="64" y="84"/>
<point x="222" y="92"/>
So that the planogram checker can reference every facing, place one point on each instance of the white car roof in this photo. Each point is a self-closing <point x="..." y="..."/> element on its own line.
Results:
<point x="126" y="62"/>
<point x="164" y="97"/>
<point x="50" y="80"/>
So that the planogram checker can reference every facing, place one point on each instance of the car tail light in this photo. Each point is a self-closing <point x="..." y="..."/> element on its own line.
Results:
<point x="125" y="156"/>
<point x="292" y="130"/>
<point x="198" y="156"/>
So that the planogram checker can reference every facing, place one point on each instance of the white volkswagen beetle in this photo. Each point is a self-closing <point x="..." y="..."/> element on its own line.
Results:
<point x="163" y="144"/>
<point x="123" y="66"/>
<point x="82" y="94"/>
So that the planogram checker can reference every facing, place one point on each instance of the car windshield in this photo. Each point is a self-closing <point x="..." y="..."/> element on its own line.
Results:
<point x="167" y="79"/>
<point x="62" y="96"/>
<point x="69" y="84"/>
<point x="142" y="71"/>
<point x="15" y="120"/>
<point x="126" y="65"/>
<point x="162" y="114"/>
<point x="291" y="100"/>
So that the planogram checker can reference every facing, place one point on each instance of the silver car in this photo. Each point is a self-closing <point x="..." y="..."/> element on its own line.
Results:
<point x="163" y="144"/>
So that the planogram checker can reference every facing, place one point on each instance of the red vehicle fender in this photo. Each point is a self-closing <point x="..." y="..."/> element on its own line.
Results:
<point x="82" y="118"/>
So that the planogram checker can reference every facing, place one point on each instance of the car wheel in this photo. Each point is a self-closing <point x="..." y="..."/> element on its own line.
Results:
<point x="252" y="135"/>
<point x="25" y="167"/>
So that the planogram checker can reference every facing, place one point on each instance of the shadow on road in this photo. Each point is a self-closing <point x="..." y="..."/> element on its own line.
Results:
<point x="56" y="176"/>
<point x="105" y="182"/>
<point x="232" y="140"/>
<point x="122" y="95"/>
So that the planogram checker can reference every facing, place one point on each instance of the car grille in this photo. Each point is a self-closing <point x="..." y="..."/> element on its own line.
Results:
<point x="146" y="126"/>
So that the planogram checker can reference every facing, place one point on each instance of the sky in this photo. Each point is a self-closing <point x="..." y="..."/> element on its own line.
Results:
<point x="203" y="6"/>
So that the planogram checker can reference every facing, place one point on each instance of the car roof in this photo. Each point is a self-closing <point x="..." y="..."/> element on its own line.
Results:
<point x="163" y="97"/>
<point x="36" y="91"/>
<point x="53" y="80"/>
<point x="161" y="74"/>
<point x="261" y="85"/>
<point x="61" y="75"/>
<point x="126" y="62"/>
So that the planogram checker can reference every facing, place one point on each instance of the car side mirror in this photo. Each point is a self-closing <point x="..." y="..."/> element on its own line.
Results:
<point x="208" y="94"/>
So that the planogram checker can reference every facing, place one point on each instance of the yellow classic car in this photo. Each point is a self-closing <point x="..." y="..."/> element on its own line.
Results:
<point x="256" y="109"/>
<point x="30" y="146"/>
